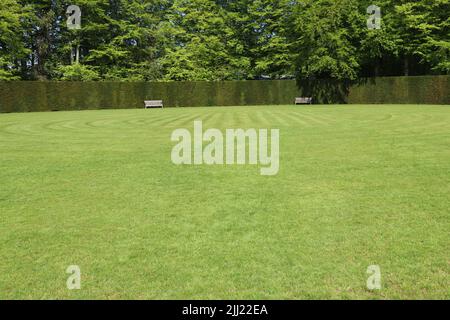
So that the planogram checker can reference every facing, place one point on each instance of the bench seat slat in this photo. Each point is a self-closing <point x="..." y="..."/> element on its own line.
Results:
<point x="153" y="104"/>
<point x="303" y="100"/>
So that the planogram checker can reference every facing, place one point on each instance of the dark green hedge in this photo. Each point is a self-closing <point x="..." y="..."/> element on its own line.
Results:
<point x="412" y="90"/>
<point x="25" y="96"/>
<point x="55" y="96"/>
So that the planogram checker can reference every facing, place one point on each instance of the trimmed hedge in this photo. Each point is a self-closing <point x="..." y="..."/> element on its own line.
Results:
<point x="23" y="96"/>
<point x="410" y="90"/>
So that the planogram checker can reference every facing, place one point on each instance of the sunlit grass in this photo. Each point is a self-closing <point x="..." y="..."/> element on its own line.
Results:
<point x="358" y="186"/>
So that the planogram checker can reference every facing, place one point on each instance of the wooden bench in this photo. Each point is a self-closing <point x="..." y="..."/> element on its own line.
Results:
<point x="304" y="100"/>
<point x="153" y="104"/>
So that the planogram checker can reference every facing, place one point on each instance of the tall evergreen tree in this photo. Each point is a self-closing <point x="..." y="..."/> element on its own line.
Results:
<point x="271" y="54"/>
<point x="204" y="46"/>
<point x="12" y="48"/>
<point x="325" y="39"/>
<point x="127" y="40"/>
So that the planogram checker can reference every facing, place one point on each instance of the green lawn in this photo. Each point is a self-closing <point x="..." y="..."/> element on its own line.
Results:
<point x="357" y="186"/>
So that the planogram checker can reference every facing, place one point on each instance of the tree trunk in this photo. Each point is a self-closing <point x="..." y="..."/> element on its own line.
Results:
<point x="77" y="57"/>
<point x="23" y="68"/>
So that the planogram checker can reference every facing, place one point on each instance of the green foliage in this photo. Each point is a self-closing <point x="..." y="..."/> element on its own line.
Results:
<point x="6" y="73"/>
<point x="325" y="30"/>
<point x="46" y="96"/>
<point x="12" y="48"/>
<point x="410" y="90"/>
<point x="23" y="96"/>
<point x="78" y="72"/>
<point x="141" y="40"/>
<point x="272" y="53"/>
<point x="203" y="47"/>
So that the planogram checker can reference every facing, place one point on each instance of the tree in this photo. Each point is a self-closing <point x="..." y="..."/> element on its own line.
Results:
<point x="423" y="27"/>
<point x="324" y="43"/>
<point x="379" y="46"/>
<point x="204" y="47"/>
<point x="271" y="53"/>
<point x="120" y="40"/>
<point x="325" y="38"/>
<point x="12" y="48"/>
<point x="143" y="40"/>
<point x="39" y="36"/>
<point x="437" y="45"/>
<point x="77" y="72"/>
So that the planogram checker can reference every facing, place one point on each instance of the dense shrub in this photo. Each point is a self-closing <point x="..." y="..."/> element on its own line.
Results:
<point x="23" y="96"/>
<point x="413" y="90"/>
